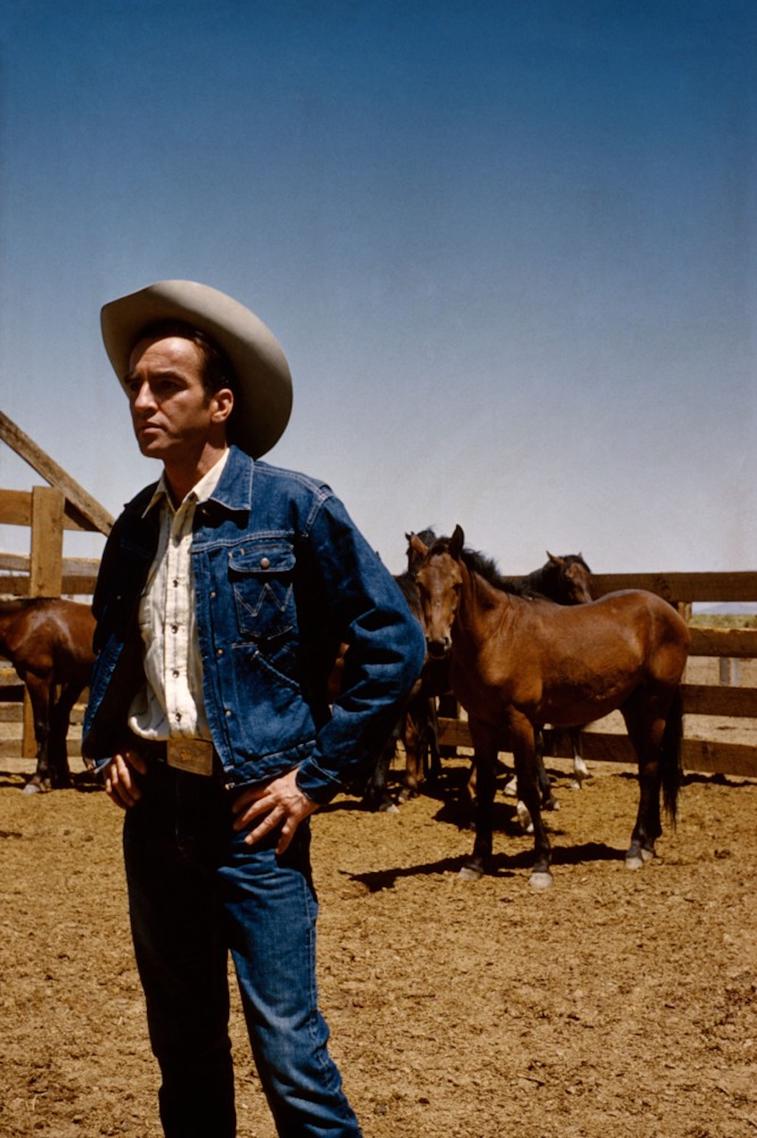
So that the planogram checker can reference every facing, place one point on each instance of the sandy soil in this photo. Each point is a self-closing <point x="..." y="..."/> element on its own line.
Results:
<point x="617" y="1004"/>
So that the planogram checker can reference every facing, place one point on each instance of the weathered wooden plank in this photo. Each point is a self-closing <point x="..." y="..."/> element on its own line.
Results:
<point x="12" y="692"/>
<point x="72" y="586"/>
<point x="46" y="557"/>
<point x="736" y="586"/>
<point x="714" y="699"/>
<point x="739" y="642"/>
<point x="711" y="757"/>
<point x="79" y="504"/>
<point x="697" y="754"/>
<point x="16" y="510"/>
<point x="73" y="566"/>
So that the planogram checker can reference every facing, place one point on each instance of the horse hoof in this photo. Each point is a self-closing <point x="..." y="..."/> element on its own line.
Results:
<point x="511" y="788"/>
<point x="541" y="880"/>
<point x="470" y="873"/>
<point x="35" y="788"/>
<point x="388" y="808"/>
<point x="524" y="818"/>
<point x="638" y="856"/>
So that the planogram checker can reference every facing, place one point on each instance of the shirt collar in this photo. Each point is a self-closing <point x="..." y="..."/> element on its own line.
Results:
<point x="200" y="492"/>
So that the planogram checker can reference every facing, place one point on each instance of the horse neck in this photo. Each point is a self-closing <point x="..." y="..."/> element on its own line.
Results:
<point x="479" y="603"/>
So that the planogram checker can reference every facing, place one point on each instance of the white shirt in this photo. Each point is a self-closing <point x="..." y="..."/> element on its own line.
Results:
<point x="171" y="704"/>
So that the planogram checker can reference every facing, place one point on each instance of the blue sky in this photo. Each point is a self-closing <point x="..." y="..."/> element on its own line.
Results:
<point x="508" y="248"/>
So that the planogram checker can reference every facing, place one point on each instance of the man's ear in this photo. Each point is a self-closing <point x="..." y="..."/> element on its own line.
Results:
<point x="224" y="404"/>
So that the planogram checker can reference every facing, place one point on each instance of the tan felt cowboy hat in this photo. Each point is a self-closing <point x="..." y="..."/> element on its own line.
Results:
<point x="264" y="385"/>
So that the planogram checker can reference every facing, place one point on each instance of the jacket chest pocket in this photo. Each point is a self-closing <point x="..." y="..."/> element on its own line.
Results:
<point x="261" y="577"/>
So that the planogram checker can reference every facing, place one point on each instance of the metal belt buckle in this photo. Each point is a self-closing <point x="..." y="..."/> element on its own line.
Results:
<point x="193" y="755"/>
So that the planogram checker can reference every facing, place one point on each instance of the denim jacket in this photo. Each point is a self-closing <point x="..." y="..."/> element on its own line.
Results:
<point x="282" y="578"/>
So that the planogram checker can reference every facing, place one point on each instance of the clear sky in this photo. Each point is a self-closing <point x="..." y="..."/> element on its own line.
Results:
<point x="509" y="249"/>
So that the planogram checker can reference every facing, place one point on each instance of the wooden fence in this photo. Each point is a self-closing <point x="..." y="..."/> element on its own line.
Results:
<point x="48" y="511"/>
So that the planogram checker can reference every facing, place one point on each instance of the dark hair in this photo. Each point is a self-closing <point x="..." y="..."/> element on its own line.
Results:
<point x="217" y="371"/>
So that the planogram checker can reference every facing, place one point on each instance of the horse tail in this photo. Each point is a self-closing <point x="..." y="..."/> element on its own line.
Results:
<point x="671" y="755"/>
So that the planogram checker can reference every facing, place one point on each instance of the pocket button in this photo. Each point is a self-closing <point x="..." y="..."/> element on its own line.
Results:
<point x="265" y="563"/>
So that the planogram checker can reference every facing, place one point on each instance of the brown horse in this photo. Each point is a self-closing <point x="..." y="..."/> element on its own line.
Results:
<point x="49" y="643"/>
<point x="518" y="663"/>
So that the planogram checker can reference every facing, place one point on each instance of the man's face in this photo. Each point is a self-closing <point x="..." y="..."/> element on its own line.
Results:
<point x="171" y="413"/>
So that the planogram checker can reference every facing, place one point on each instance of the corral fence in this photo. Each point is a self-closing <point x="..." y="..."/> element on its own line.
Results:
<point x="49" y="511"/>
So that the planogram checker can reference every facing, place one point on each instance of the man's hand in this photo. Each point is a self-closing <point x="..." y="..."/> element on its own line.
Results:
<point x="283" y="804"/>
<point x="118" y="777"/>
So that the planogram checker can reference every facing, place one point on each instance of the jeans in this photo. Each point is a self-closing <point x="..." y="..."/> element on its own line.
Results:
<point x="197" y="891"/>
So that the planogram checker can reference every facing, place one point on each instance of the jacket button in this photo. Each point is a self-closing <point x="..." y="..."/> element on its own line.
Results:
<point x="265" y="563"/>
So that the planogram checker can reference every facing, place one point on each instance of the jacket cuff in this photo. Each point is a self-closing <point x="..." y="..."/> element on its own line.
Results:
<point x="313" y="781"/>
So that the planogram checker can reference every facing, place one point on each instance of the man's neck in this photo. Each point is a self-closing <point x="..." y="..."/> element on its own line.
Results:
<point x="181" y="477"/>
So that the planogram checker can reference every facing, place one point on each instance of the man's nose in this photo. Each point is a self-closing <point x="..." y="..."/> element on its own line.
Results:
<point x="143" y="400"/>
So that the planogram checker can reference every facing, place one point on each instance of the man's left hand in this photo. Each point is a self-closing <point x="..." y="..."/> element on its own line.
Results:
<point x="281" y="802"/>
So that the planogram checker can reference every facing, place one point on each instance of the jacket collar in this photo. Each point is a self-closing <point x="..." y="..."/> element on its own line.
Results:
<point x="234" y="489"/>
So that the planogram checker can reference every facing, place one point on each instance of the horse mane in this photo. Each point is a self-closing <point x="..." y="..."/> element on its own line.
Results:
<point x="480" y="563"/>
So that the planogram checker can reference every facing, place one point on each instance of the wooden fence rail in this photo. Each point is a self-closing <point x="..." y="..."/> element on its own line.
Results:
<point x="45" y="571"/>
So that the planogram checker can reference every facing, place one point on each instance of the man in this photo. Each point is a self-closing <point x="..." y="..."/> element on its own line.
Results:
<point x="223" y="595"/>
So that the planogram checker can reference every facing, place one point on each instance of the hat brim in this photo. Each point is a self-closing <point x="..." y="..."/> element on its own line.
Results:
<point x="263" y="395"/>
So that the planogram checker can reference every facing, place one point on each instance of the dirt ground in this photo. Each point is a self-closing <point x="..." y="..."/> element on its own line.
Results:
<point x="616" y="1004"/>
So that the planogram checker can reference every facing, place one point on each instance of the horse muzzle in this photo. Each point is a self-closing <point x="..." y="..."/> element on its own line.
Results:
<point x="438" y="648"/>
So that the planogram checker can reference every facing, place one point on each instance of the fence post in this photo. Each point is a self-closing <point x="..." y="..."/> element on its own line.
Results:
<point x="729" y="671"/>
<point x="45" y="573"/>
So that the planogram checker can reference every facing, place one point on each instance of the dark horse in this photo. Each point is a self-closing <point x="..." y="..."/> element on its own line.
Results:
<point x="49" y="643"/>
<point x="566" y="580"/>
<point x="416" y="727"/>
<point x="517" y="664"/>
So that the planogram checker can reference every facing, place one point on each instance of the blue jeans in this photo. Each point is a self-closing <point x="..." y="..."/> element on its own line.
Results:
<point x="197" y="891"/>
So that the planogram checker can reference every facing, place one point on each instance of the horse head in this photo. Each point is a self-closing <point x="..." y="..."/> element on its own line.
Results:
<point x="571" y="578"/>
<point x="440" y="580"/>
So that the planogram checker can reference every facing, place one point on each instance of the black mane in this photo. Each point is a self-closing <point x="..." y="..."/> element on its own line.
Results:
<point x="480" y="563"/>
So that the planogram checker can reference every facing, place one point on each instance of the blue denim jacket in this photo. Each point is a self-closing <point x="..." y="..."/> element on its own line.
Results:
<point x="282" y="578"/>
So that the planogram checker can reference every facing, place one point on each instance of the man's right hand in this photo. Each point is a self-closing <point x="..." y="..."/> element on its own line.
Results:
<point x="118" y="776"/>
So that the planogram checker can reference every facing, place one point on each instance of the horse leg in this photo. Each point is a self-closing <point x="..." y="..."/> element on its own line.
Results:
<point x="548" y="800"/>
<point x="60" y="718"/>
<point x="40" y="695"/>
<point x="434" y="750"/>
<point x="646" y="728"/>
<point x="483" y="774"/>
<point x="580" y="769"/>
<point x="522" y="735"/>
<point x="375" y="795"/>
<point x="415" y="750"/>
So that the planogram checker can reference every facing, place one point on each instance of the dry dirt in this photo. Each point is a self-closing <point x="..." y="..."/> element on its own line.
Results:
<point x="617" y="1004"/>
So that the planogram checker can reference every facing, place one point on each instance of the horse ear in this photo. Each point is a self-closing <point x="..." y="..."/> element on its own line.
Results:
<point x="415" y="545"/>
<point x="555" y="560"/>
<point x="456" y="542"/>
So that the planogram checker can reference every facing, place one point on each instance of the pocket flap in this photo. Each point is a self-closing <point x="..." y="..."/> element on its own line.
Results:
<point x="261" y="559"/>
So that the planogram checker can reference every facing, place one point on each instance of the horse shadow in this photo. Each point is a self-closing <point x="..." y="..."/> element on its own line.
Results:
<point x="501" y="865"/>
<point x="82" y="781"/>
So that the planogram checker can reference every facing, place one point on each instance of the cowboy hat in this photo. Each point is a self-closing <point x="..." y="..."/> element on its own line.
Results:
<point x="263" y="391"/>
